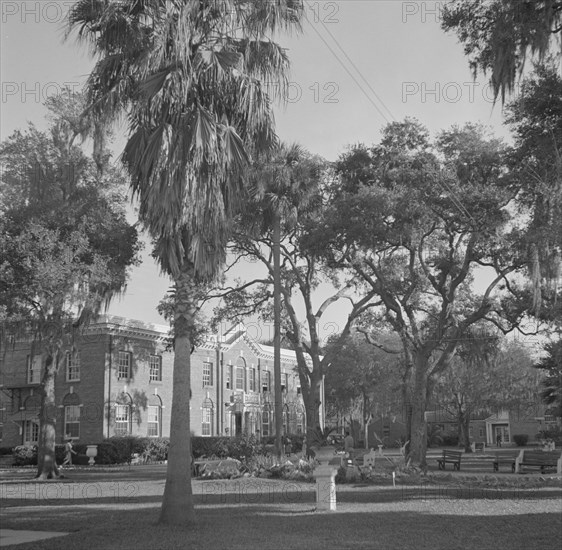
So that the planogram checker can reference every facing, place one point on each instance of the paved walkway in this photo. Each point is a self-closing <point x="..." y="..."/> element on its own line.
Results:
<point x="12" y="536"/>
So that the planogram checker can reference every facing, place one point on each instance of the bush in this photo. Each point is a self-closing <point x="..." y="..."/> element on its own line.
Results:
<point x="450" y="440"/>
<point x="241" y="448"/>
<point x="521" y="439"/>
<point x="554" y="433"/>
<point x="25" y="455"/>
<point x="156" y="449"/>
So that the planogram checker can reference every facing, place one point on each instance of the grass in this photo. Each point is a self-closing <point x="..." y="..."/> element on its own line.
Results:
<point x="106" y="510"/>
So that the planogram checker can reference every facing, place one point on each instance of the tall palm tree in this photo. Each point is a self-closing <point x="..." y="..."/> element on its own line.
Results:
<point x="284" y="182"/>
<point x="189" y="76"/>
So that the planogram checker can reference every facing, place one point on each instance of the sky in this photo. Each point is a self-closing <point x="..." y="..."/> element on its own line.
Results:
<point x="357" y="65"/>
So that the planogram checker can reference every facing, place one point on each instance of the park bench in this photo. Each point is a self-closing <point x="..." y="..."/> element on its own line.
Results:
<point x="539" y="459"/>
<point x="505" y="458"/>
<point x="454" y="457"/>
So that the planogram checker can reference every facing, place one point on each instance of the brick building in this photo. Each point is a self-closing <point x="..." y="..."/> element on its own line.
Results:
<point x="118" y="381"/>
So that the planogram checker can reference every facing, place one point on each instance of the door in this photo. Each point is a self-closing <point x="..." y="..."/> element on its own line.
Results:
<point x="501" y="433"/>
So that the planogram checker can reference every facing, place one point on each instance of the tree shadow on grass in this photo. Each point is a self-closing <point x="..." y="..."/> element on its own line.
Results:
<point x="293" y="526"/>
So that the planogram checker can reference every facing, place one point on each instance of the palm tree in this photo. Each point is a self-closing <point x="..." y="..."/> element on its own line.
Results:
<point x="189" y="76"/>
<point x="284" y="183"/>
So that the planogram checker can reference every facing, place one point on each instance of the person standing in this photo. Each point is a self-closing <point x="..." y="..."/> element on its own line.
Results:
<point x="348" y="445"/>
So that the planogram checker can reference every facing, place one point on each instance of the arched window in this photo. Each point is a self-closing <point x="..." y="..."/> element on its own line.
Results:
<point x="154" y="416"/>
<point x="207" y="408"/>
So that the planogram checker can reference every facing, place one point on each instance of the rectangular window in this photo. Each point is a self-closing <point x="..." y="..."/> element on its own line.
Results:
<point x="228" y="377"/>
<point x="265" y="380"/>
<point x="481" y="432"/>
<point x="34" y="369"/>
<point x="240" y="378"/>
<point x="470" y="431"/>
<point x="206" y="421"/>
<point x="265" y="424"/>
<point x="252" y="379"/>
<point x="153" y="421"/>
<point x="30" y="432"/>
<point x="284" y="381"/>
<point x="72" y="367"/>
<point x="72" y="421"/>
<point x="122" y="419"/>
<point x="298" y="390"/>
<point x="207" y="374"/>
<point x="386" y="430"/>
<point x="124" y="365"/>
<point x="155" y="368"/>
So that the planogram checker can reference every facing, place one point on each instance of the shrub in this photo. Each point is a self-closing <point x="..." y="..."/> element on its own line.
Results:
<point x="521" y="439"/>
<point x="156" y="449"/>
<point x="450" y="440"/>
<point x="25" y="455"/>
<point x="554" y="433"/>
<point x="241" y="448"/>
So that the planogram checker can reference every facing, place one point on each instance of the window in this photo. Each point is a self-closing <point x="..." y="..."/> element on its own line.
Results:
<point x="298" y="390"/>
<point x="386" y="430"/>
<point x="155" y="368"/>
<point x="34" y="369"/>
<point x="124" y="365"/>
<point x="265" y="380"/>
<point x="228" y="377"/>
<point x="153" y="421"/>
<point x="252" y="379"/>
<point x="72" y="367"/>
<point x="284" y="381"/>
<point x="30" y="432"/>
<point x="206" y="420"/>
<point x="207" y="374"/>
<point x="72" y="421"/>
<point x="240" y="378"/>
<point x="265" y="424"/>
<point x="480" y="432"/>
<point x="122" y="419"/>
<point x="470" y="431"/>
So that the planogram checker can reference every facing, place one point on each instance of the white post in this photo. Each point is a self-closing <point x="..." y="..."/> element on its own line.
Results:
<point x="325" y="474"/>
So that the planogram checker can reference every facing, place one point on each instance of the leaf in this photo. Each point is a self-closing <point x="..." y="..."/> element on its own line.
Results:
<point x="234" y="148"/>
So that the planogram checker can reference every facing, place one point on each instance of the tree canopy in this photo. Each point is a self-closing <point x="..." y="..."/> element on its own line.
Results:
<point x="499" y="35"/>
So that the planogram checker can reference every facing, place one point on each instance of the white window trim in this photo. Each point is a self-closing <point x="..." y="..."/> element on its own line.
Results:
<point x="66" y="422"/>
<point x="69" y="364"/>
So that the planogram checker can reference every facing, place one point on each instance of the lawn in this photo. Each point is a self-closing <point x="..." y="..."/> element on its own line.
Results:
<point x="119" y="509"/>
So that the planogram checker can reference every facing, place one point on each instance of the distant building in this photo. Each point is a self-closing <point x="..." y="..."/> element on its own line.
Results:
<point x="120" y="383"/>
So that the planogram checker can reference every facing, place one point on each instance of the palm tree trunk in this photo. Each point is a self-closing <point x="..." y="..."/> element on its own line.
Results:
<point x="277" y="335"/>
<point x="177" y="504"/>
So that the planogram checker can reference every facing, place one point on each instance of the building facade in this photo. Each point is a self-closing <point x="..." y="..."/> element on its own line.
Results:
<point x="117" y="380"/>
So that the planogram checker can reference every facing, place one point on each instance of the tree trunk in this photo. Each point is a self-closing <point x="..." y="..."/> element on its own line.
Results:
<point x="463" y="431"/>
<point x="177" y="503"/>
<point x="418" y="433"/>
<point x="312" y="405"/>
<point x="46" y="461"/>
<point x="277" y="336"/>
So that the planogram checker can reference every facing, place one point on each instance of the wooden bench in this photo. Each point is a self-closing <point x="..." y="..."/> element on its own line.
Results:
<point x="454" y="457"/>
<point x="539" y="459"/>
<point x="505" y="458"/>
